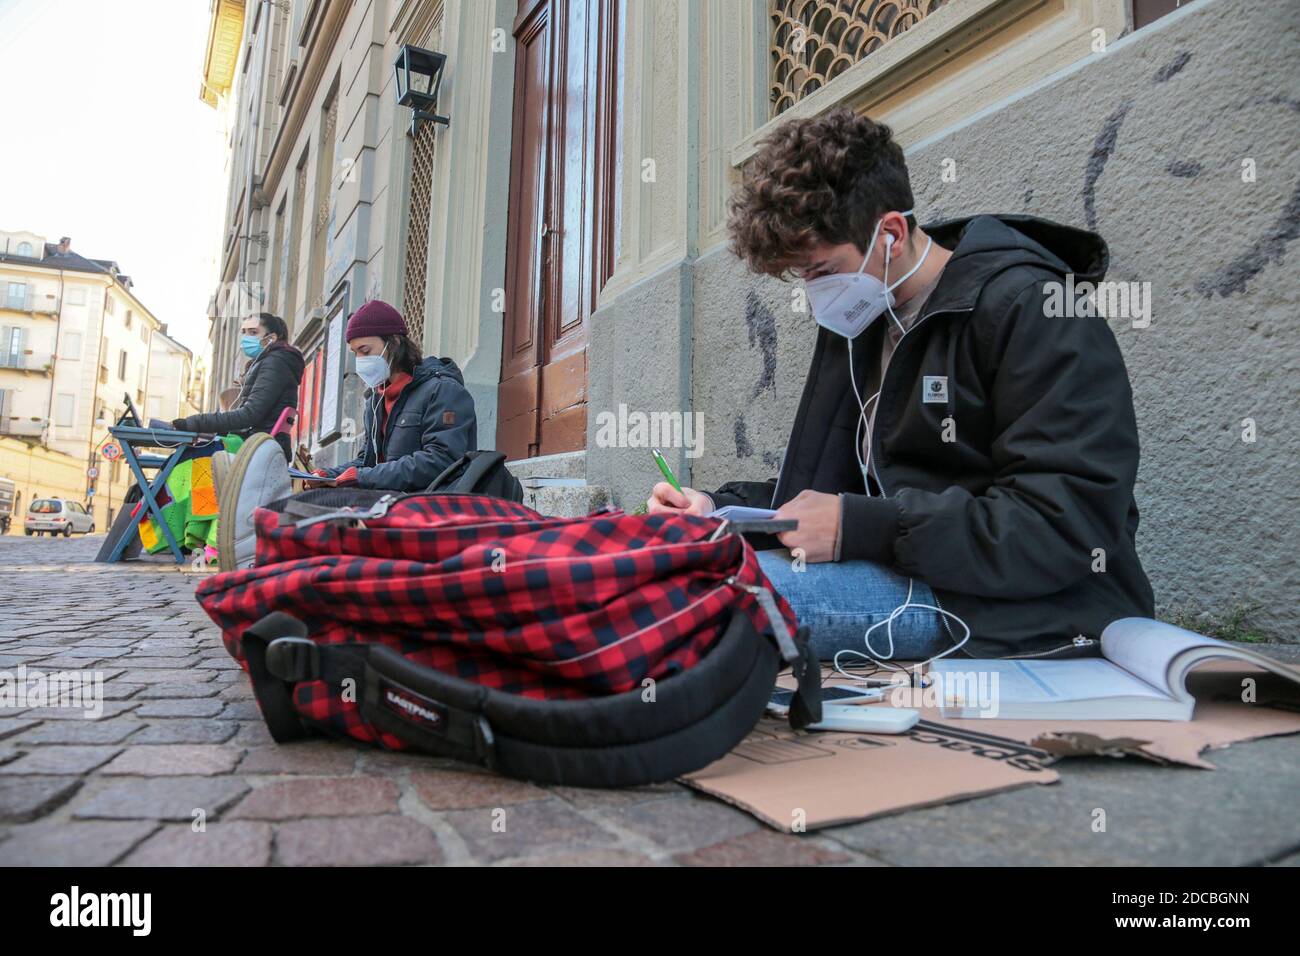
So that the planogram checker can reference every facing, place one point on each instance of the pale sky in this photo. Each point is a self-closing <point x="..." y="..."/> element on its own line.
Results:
<point x="103" y="138"/>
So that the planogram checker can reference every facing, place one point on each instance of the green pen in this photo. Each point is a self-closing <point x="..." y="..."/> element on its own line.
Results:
<point x="668" y="472"/>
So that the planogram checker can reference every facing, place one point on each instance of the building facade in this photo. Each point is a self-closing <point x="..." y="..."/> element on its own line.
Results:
<point x="176" y="385"/>
<point x="74" y="341"/>
<point x="563" y="238"/>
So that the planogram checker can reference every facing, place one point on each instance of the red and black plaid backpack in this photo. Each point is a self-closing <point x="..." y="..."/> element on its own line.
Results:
<point x="611" y="650"/>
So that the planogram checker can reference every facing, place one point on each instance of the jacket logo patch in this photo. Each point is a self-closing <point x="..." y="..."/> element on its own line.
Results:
<point x="413" y="707"/>
<point x="934" y="389"/>
<point x="449" y="417"/>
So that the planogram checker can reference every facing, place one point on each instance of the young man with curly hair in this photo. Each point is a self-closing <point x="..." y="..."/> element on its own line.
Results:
<point x="962" y="460"/>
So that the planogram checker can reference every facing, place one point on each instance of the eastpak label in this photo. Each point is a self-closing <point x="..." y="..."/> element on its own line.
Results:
<point x="412" y="707"/>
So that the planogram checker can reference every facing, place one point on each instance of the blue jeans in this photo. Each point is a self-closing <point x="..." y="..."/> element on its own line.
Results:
<point x="839" y="600"/>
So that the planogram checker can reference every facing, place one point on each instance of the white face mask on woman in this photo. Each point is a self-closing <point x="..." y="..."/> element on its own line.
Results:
<point x="847" y="303"/>
<point x="373" y="369"/>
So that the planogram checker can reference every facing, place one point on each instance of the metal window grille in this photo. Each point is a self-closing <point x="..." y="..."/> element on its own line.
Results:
<point x="814" y="41"/>
<point x="417" y="230"/>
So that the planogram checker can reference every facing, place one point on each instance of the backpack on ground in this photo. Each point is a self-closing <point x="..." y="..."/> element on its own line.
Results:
<point x="480" y="472"/>
<point x="611" y="650"/>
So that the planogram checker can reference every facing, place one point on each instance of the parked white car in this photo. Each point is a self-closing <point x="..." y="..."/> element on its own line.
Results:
<point x="58" y="516"/>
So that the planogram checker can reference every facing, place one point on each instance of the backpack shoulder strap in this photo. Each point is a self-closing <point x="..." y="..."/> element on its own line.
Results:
<point x="475" y="466"/>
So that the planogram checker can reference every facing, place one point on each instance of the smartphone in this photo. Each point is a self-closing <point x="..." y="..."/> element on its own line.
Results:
<point x="779" y="703"/>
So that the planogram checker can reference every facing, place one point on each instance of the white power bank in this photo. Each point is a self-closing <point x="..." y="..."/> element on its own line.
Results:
<point x="867" y="720"/>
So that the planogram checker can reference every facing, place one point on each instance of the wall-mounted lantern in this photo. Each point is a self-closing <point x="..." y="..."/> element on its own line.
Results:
<point x="419" y="75"/>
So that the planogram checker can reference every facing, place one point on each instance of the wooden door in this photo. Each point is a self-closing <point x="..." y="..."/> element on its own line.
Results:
<point x="559" y="231"/>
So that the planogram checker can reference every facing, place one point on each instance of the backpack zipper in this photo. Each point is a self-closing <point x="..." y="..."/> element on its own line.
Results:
<point x="376" y="510"/>
<point x="381" y="507"/>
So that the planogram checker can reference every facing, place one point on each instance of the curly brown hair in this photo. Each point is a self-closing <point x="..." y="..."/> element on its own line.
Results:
<point x="825" y="179"/>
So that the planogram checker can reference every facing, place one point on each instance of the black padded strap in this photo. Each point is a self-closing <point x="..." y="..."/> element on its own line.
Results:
<point x="625" y="740"/>
<point x="653" y="759"/>
<point x="396" y="698"/>
<point x="628" y="739"/>
<point x="273" y="695"/>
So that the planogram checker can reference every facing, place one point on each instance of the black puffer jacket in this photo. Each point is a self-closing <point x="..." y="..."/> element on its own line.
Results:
<point x="1004" y="521"/>
<point x="270" y="386"/>
<point x="432" y="424"/>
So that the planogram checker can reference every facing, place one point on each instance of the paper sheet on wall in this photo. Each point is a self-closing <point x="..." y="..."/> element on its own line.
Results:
<point x="329" y="401"/>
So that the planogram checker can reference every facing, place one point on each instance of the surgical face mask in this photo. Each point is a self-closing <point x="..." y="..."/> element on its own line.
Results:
<point x="373" y="369"/>
<point x="251" y="345"/>
<point x="848" y="303"/>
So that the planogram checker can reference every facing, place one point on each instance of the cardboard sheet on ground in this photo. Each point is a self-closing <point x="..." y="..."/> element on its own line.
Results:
<point x="794" y="781"/>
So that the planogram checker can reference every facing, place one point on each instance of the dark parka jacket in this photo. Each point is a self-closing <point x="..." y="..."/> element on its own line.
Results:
<point x="432" y="424"/>
<point x="270" y="386"/>
<point x="1011" y="487"/>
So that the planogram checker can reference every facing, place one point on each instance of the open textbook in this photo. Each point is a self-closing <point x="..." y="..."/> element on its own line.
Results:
<point x="1142" y="676"/>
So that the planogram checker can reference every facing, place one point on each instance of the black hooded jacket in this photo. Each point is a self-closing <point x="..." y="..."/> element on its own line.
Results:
<point x="432" y="424"/>
<point x="1010" y="490"/>
<point x="270" y="386"/>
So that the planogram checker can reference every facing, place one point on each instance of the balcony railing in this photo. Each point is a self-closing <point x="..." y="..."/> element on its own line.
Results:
<point x="21" y="427"/>
<point x="30" y="302"/>
<point x="27" y="361"/>
<point x="814" y="41"/>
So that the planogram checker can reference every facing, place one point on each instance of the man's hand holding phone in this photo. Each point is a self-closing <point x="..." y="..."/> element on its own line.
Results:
<point x="818" y="515"/>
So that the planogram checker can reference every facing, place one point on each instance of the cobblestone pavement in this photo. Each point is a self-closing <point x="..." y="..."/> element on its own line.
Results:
<point x="180" y="734"/>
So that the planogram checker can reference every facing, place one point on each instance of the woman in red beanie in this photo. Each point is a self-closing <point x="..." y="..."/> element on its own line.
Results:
<point x="419" y="418"/>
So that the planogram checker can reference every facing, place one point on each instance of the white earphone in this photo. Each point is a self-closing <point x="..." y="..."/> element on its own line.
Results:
<point x="853" y="379"/>
<point x="888" y="623"/>
<point x="883" y="660"/>
<point x="373" y="434"/>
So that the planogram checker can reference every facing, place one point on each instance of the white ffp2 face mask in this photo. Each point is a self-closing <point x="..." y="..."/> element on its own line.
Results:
<point x="373" y="369"/>
<point x="849" y="302"/>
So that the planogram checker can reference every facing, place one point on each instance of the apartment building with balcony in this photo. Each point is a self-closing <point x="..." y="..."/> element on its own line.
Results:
<point x="74" y="340"/>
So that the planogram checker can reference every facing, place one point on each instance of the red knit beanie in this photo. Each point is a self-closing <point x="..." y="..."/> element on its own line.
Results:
<point x="375" y="318"/>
